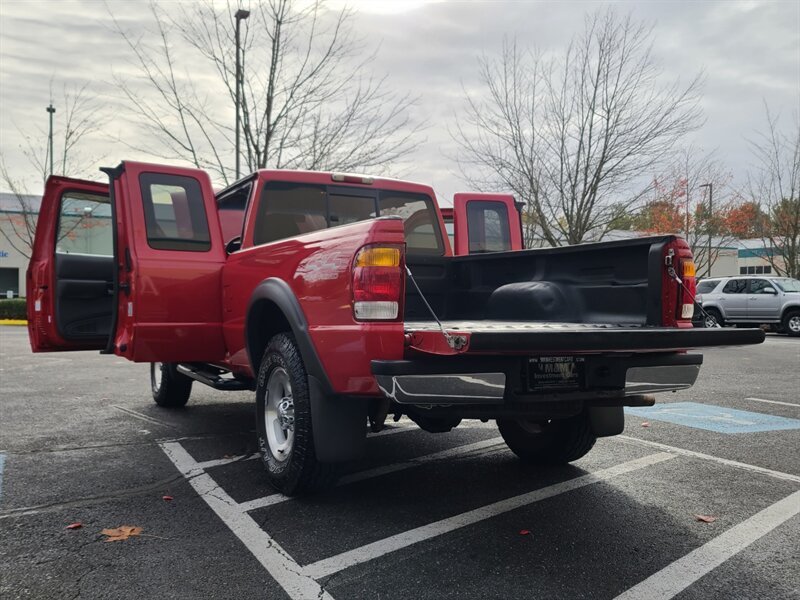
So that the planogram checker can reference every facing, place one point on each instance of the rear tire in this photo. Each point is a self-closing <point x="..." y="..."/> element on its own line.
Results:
<point x="791" y="323"/>
<point x="283" y="422"/>
<point x="170" y="388"/>
<point x="553" y="442"/>
<point x="713" y="318"/>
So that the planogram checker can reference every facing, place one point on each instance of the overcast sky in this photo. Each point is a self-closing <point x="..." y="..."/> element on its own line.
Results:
<point x="750" y="52"/>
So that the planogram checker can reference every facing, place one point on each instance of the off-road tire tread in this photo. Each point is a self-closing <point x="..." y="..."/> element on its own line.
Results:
<point x="303" y="473"/>
<point x="175" y="388"/>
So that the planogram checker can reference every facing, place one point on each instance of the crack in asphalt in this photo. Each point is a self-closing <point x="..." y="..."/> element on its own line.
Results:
<point x="91" y="500"/>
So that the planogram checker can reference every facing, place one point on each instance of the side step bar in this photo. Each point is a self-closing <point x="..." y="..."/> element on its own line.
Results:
<point x="214" y="378"/>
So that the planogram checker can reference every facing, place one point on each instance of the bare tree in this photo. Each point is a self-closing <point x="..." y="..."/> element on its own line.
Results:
<point x="305" y="103"/>
<point x="573" y="136"/>
<point x="775" y="185"/>
<point x="81" y="117"/>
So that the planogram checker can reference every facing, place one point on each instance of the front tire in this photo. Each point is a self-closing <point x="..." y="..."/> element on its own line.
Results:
<point x="170" y="388"/>
<point x="283" y="422"/>
<point x="549" y="442"/>
<point x="791" y="323"/>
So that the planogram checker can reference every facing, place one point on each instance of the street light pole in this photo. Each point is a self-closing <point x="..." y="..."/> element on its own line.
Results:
<point x="239" y="16"/>
<point x="51" y="109"/>
<point x="710" y="187"/>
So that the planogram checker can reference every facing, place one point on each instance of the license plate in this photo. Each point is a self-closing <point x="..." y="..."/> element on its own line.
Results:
<point x="550" y="373"/>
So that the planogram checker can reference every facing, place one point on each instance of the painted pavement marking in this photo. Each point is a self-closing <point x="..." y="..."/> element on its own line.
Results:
<point x="334" y="564"/>
<point x="714" y="418"/>
<point x="676" y="577"/>
<point x="278" y="563"/>
<point x="774" y="402"/>
<point x="723" y="461"/>
<point x="2" y="466"/>
<point x="141" y="417"/>
<point x="477" y="447"/>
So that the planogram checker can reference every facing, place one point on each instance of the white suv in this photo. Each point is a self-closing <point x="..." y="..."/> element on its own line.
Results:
<point x="756" y="301"/>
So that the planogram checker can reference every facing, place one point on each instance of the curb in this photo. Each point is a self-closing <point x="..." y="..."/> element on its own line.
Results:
<point x="13" y="322"/>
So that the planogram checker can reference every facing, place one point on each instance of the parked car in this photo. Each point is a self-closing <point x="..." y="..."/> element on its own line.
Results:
<point x="773" y="301"/>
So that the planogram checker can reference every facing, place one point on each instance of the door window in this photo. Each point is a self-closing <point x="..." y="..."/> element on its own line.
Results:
<point x="735" y="286"/>
<point x="487" y="223"/>
<point x="174" y="213"/>
<point x="757" y="286"/>
<point x="84" y="225"/>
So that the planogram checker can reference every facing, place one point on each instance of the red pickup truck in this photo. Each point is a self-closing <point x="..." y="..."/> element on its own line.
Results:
<point x="338" y="299"/>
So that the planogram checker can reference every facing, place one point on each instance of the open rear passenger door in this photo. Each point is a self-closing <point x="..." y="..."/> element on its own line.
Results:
<point x="485" y="223"/>
<point x="70" y="275"/>
<point x="169" y="255"/>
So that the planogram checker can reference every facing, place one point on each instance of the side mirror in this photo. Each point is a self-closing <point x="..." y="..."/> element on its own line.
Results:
<point x="233" y="245"/>
<point x="769" y="290"/>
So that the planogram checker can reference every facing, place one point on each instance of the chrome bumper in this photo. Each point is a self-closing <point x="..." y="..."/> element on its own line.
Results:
<point x="489" y="388"/>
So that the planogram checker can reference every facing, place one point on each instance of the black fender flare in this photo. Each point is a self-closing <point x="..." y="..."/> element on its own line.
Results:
<point x="279" y="293"/>
<point x="339" y="423"/>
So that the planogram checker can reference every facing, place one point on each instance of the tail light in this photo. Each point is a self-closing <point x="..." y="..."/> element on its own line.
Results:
<point x="378" y="283"/>
<point x="688" y="289"/>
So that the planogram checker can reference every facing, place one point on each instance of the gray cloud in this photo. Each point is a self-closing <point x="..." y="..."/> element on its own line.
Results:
<point x="750" y="52"/>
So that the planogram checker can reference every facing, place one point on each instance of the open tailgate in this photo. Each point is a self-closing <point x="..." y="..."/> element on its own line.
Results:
<point x="503" y="337"/>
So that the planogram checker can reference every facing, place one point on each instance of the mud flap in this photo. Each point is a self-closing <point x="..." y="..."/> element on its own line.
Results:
<point x="606" y="420"/>
<point x="339" y="424"/>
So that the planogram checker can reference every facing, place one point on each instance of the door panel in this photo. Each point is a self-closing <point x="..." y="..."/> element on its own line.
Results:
<point x="762" y="305"/>
<point x="84" y="296"/>
<point x="70" y="271"/>
<point x="171" y="249"/>
<point x="734" y="299"/>
<point x="485" y="223"/>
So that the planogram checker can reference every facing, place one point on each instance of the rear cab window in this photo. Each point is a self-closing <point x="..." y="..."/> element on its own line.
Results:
<point x="288" y="209"/>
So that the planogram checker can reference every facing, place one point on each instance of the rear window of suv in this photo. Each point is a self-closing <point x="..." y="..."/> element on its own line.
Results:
<point x="704" y="287"/>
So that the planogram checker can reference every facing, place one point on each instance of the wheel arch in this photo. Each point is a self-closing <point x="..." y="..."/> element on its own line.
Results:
<point x="275" y="309"/>
<point x="787" y="309"/>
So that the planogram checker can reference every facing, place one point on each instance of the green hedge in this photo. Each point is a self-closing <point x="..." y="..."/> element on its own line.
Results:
<point x="13" y="309"/>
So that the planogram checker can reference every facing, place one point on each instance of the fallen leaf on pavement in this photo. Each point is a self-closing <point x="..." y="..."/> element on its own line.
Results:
<point x="705" y="518"/>
<point x="123" y="532"/>
<point x="167" y="498"/>
<point x="525" y="532"/>
<point x="74" y="526"/>
<point x="646" y="424"/>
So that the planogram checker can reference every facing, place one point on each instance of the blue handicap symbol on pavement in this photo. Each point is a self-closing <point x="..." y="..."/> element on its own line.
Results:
<point x="714" y="418"/>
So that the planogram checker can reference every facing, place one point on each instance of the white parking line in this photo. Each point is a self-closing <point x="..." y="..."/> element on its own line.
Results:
<point x="280" y="565"/>
<point x="676" y="577"/>
<point x="717" y="459"/>
<point x="334" y="564"/>
<point x="774" y="402"/>
<point x="384" y="470"/>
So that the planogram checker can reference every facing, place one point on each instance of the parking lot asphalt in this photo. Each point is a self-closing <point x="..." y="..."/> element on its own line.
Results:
<point x="422" y="516"/>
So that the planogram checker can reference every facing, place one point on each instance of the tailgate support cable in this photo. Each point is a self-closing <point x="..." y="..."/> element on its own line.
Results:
<point x="672" y="273"/>
<point x="456" y="342"/>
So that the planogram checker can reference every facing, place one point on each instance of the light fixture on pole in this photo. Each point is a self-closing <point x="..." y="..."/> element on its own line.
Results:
<point x="710" y="187"/>
<point x="239" y="16"/>
<point x="51" y="109"/>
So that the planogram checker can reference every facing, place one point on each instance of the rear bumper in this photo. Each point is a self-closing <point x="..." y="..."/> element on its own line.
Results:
<point x="493" y="381"/>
